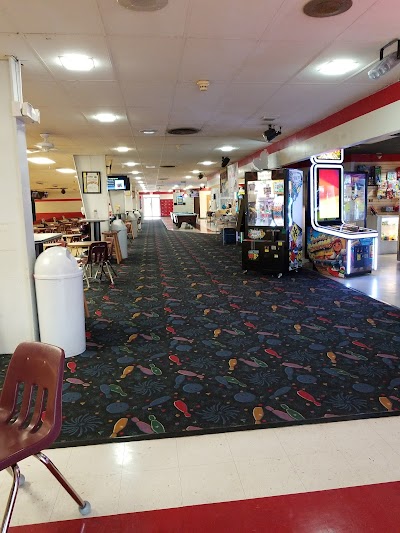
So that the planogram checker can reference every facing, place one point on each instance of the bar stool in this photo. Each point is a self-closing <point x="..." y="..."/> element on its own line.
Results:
<point x="116" y="250"/>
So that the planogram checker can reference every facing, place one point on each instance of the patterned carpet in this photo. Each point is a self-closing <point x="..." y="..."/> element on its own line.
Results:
<point x="186" y="342"/>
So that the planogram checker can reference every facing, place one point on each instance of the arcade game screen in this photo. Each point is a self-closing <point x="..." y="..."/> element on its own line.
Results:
<point x="328" y="191"/>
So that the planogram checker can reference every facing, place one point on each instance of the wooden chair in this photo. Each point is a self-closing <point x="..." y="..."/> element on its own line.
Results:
<point x="36" y="373"/>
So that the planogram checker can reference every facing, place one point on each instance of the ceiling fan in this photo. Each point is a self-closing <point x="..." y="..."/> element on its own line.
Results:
<point x="45" y="146"/>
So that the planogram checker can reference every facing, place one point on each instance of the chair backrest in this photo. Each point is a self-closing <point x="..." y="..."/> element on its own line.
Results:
<point x="32" y="390"/>
<point x="98" y="252"/>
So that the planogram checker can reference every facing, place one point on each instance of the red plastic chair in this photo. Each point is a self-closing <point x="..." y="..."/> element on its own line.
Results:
<point x="30" y="415"/>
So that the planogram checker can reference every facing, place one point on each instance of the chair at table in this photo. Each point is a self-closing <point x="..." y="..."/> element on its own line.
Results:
<point x="35" y="374"/>
<point x="97" y="257"/>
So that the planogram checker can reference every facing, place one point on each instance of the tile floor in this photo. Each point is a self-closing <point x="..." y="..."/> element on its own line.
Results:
<point x="170" y="473"/>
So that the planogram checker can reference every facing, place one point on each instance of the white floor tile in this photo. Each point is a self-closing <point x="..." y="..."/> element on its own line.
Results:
<point x="268" y="477"/>
<point x="150" y="489"/>
<point x="150" y="455"/>
<point x="305" y="439"/>
<point x="325" y="470"/>
<point x="203" y="450"/>
<point x="210" y="483"/>
<point x="105" y="459"/>
<point x="261" y="443"/>
<point x="102" y="491"/>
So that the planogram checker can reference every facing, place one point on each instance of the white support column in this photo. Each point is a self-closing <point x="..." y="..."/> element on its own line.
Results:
<point x="18" y="315"/>
<point x="94" y="202"/>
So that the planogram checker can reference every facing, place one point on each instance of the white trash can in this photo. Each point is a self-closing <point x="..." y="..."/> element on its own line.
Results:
<point x="118" y="225"/>
<point x="133" y="220"/>
<point x="59" y="295"/>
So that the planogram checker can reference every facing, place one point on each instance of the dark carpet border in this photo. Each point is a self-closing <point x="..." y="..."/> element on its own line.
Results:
<point x="213" y="431"/>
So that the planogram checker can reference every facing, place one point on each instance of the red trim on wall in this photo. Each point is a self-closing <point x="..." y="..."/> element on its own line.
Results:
<point x="375" y="101"/>
<point x="49" y="216"/>
<point x="60" y="200"/>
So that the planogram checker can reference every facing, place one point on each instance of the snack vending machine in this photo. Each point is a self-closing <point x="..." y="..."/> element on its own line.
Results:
<point x="273" y="213"/>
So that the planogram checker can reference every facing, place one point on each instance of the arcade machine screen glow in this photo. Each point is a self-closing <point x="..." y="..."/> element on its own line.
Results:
<point x="328" y="194"/>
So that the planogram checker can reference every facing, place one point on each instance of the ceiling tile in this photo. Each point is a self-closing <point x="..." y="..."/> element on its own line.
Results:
<point x="57" y="16"/>
<point x="50" y="47"/>
<point x="168" y="22"/>
<point x="94" y="93"/>
<point x="273" y="62"/>
<point x="227" y="58"/>
<point x="232" y="19"/>
<point x="45" y="93"/>
<point x="145" y="94"/>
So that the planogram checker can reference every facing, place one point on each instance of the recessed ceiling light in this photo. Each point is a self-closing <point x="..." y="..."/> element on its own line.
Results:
<point x="138" y="178"/>
<point x="188" y="177"/>
<point x="134" y="172"/>
<point x="66" y="170"/>
<point x="105" y="117"/>
<point x="337" y="66"/>
<point x="77" y="62"/>
<point x="227" y="148"/>
<point x="150" y="166"/>
<point x="195" y="171"/>
<point x="148" y="132"/>
<point x="41" y="160"/>
<point x="207" y="163"/>
<point x="122" y="149"/>
<point x="131" y="164"/>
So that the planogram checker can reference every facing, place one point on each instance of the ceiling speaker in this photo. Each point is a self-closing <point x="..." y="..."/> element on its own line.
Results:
<point x="143" y="5"/>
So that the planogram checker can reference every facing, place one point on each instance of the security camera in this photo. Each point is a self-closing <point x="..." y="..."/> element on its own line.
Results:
<point x="201" y="176"/>
<point x="225" y="161"/>
<point x="63" y="191"/>
<point x="271" y="133"/>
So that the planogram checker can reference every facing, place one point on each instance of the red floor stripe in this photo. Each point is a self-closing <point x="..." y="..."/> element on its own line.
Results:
<point x="371" y="508"/>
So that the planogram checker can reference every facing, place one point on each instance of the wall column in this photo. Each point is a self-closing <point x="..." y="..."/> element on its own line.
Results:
<point x="94" y="202"/>
<point x="18" y="316"/>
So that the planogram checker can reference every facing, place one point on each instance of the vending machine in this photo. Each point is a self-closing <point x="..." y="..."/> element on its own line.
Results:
<point x="337" y="247"/>
<point x="273" y="214"/>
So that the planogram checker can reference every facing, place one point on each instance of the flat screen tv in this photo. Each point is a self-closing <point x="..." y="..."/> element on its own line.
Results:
<point x="328" y="194"/>
<point x="118" y="183"/>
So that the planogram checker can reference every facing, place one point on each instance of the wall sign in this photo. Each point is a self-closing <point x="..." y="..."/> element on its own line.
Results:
<point x="91" y="182"/>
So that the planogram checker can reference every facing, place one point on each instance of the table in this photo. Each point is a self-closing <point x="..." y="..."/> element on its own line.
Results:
<point x="179" y="218"/>
<point x="77" y="247"/>
<point x="41" y="238"/>
<point x="95" y="227"/>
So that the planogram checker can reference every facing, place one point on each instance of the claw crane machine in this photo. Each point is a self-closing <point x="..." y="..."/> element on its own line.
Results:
<point x="335" y="245"/>
<point x="273" y="240"/>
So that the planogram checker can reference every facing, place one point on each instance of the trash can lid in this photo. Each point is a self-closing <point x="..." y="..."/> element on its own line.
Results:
<point x="56" y="263"/>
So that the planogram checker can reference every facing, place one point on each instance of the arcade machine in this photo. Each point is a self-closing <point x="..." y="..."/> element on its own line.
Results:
<point x="355" y="198"/>
<point x="334" y="246"/>
<point x="273" y="214"/>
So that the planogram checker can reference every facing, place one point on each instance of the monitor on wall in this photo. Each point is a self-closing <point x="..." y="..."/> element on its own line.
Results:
<point x="118" y="183"/>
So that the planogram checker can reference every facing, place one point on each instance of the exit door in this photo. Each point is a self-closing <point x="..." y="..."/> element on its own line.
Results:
<point x="151" y="206"/>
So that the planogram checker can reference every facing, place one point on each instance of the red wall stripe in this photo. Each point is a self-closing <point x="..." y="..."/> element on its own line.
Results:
<point x="375" y="101"/>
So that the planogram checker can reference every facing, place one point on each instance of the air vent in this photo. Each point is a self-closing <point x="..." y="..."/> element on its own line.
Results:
<point x="183" y="131"/>
<point x="326" y="8"/>
<point x="167" y="166"/>
<point x="143" y="5"/>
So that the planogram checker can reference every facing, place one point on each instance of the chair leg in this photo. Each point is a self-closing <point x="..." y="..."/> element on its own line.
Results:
<point x="11" y="499"/>
<point x="84" y="506"/>
<point x="107" y="265"/>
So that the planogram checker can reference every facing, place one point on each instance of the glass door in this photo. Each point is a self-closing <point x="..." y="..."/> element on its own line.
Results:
<point x="151" y="207"/>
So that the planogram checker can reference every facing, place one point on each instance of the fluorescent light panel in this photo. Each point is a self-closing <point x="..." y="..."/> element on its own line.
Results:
<point x="41" y="160"/>
<point x="77" y="62"/>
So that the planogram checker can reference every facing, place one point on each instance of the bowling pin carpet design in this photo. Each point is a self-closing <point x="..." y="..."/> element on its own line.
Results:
<point x="182" y="343"/>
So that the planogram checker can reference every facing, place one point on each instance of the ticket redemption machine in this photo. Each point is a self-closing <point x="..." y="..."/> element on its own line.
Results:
<point x="273" y="215"/>
<point x="334" y="247"/>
